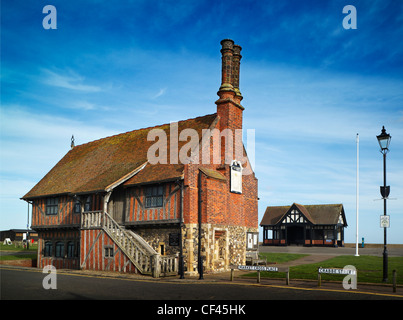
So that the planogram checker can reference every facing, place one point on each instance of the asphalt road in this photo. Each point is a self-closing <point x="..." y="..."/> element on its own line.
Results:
<point x="26" y="284"/>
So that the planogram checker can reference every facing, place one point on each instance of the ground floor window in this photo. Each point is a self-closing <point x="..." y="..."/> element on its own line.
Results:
<point x="71" y="252"/>
<point x="108" y="252"/>
<point x="59" y="249"/>
<point x="48" y="249"/>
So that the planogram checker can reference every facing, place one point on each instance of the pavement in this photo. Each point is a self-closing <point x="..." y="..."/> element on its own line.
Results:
<point x="385" y="290"/>
<point x="315" y="254"/>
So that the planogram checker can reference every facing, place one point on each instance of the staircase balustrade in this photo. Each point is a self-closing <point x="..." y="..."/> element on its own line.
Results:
<point x="146" y="259"/>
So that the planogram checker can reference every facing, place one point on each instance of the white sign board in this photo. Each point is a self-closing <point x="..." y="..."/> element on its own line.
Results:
<point x="385" y="221"/>
<point x="236" y="177"/>
<point x="336" y="271"/>
<point x="258" y="268"/>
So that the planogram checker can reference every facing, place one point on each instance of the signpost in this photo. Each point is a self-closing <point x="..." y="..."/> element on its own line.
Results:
<point x="349" y="271"/>
<point x="336" y="271"/>
<point x="259" y="269"/>
<point x="385" y="221"/>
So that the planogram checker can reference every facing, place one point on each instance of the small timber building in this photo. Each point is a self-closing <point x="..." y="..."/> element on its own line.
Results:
<point x="309" y="225"/>
<point x="106" y="205"/>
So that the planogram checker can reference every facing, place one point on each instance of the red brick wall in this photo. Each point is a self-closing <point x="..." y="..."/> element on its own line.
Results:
<point x="20" y="263"/>
<point x="220" y="206"/>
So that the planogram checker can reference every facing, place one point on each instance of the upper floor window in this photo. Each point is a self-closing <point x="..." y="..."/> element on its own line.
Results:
<point x="154" y="196"/>
<point x="77" y="206"/>
<point x="52" y="205"/>
<point x="88" y="204"/>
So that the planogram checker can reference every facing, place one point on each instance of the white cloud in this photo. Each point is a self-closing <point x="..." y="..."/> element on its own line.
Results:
<point x="160" y="93"/>
<point x="67" y="80"/>
<point x="31" y="144"/>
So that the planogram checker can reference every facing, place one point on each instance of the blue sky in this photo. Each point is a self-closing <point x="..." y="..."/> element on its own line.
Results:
<point x="309" y="87"/>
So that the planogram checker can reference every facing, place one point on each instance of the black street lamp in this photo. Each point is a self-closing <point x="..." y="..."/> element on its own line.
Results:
<point x="384" y="140"/>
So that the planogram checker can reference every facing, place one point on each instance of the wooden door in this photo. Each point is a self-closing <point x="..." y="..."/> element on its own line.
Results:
<point x="117" y="205"/>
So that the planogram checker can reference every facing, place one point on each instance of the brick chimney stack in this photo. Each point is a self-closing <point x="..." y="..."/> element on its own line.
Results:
<point x="229" y="107"/>
<point x="227" y="53"/>
<point x="236" y="62"/>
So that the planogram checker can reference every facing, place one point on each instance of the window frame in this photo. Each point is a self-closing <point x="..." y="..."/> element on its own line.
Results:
<point x="52" y="206"/>
<point x="48" y="249"/>
<point x="154" y="196"/>
<point x="59" y="249"/>
<point x="108" y="252"/>
<point x="77" y="207"/>
<point x="71" y="246"/>
<point x="88" y="204"/>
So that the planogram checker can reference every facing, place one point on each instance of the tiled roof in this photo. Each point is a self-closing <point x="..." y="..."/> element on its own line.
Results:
<point x="213" y="174"/>
<point x="316" y="214"/>
<point x="97" y="165"/>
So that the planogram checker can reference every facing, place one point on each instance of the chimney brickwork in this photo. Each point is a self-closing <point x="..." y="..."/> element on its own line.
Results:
<point x="229" y="107"/>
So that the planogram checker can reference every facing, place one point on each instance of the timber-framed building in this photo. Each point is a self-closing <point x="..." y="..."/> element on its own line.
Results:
<point x="308" y="225"/>
<point x="106" y="206"/>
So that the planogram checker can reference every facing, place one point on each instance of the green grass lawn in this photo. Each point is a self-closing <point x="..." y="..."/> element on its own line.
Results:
<point x="370" y="268"/>
<point x="13" y="247"/>
<point x="30" y="253"/>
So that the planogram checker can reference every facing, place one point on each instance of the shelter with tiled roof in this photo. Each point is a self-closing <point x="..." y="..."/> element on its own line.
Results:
<point x="304" y="225"/>
<point x="156" y="200"/>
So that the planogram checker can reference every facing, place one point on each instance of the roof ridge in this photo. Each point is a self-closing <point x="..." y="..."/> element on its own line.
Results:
<point x="101" y="163"/>
<point x="141" y="129"/>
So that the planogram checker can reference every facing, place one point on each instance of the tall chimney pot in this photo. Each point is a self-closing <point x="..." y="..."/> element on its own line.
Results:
<point x="227" y="52"/>
<point x="236" y="62"/>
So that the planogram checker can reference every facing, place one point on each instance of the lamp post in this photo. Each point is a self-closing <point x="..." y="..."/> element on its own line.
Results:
<point x="384" y="140"/>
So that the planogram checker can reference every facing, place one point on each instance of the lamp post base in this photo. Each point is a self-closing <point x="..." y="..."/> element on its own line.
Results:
<point x="385" y="265"/>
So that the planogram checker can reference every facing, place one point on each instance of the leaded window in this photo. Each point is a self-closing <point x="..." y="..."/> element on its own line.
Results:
<point x="59" y="249"/>
<point x="154" y="196"/>
<point x="52" y="206"/>
<point x="70" y="249"/>
<point x="77" y="206"/>
<point x="88" y="206"/>
<point x="48" y="249"/>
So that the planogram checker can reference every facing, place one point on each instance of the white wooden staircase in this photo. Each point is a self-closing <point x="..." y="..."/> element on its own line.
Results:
<point x="138" y="251"/>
